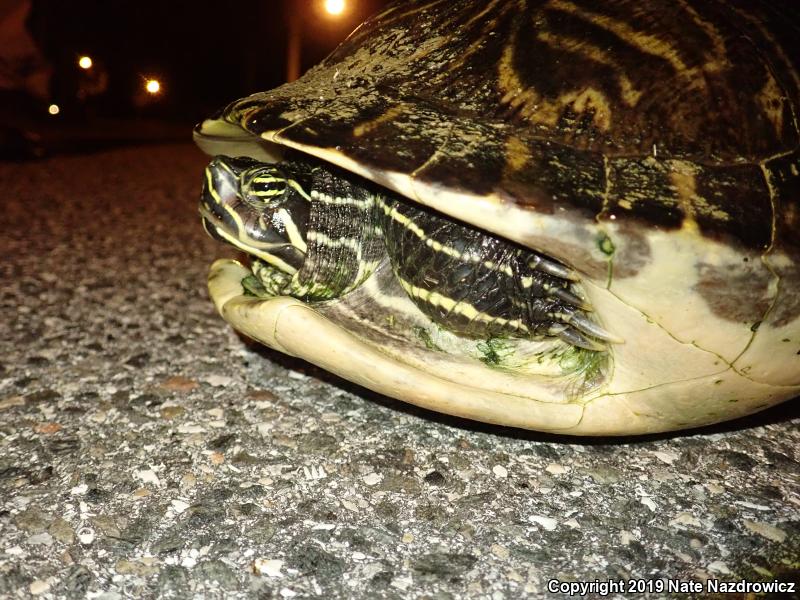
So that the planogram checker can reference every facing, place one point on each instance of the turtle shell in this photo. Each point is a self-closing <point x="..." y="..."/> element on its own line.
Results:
<point x="652" y="147"/>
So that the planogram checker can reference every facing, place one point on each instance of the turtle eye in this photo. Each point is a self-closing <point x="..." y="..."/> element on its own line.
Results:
<point x="263" y="188"/>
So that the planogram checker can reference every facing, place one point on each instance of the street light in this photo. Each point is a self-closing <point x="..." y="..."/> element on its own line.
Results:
<point x="53" y="109"/>
<point x="334" y="7"/>
<point x="85" y="62"/>
<point x="152" y="86"/>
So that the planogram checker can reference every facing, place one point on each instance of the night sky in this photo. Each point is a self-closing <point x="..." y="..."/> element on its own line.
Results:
<point x="205" y="53"/>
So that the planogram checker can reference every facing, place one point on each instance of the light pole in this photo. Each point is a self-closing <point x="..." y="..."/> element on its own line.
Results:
<point x="294" y="42"/>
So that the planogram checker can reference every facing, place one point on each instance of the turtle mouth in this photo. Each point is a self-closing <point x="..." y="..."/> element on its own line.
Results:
<point x="219" y="227"/>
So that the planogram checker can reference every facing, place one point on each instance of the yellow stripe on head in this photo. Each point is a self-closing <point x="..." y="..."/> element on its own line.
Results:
<point x="295" y="237"/>
<point x="210" y="185"/>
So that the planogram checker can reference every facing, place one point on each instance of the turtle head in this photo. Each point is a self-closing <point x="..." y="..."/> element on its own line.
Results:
<point x="257" y="208"/>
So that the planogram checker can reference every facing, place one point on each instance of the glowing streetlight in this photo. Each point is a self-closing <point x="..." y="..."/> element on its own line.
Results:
<point x="53" y="109"/>
<point x="152" y="86"/>
<point x="85" y="62"/>
<point x="334" y="7"/>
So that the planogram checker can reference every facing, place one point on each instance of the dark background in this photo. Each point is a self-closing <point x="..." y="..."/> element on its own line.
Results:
<point x="205" y="54"/>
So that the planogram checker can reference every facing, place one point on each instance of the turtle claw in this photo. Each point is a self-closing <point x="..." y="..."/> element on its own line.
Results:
<point x="565" y="295"/>
<point x="576" y="338"/>
<point x="585" y="325"/>
<point x="557" y="328"/>
<point x="539" y="263"/>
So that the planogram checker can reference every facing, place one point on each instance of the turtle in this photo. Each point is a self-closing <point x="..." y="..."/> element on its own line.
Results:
<point x="560" y="215"/>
